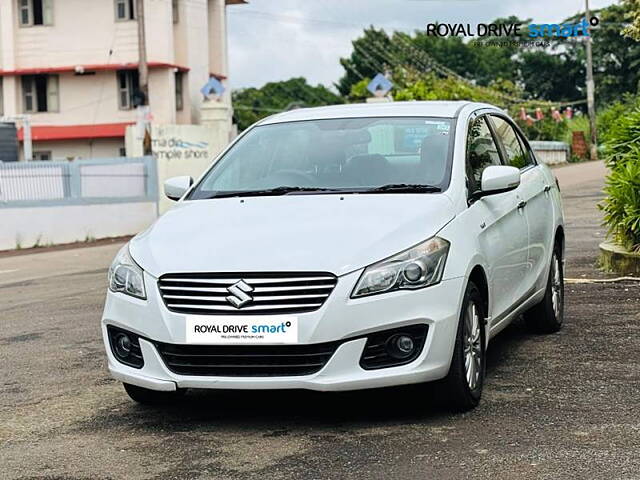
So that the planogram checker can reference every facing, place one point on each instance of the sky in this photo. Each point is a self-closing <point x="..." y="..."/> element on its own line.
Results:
<point x="272" y="40"/>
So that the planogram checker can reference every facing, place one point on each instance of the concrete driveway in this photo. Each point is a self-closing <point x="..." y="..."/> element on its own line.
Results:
<point x="558" y="406"/>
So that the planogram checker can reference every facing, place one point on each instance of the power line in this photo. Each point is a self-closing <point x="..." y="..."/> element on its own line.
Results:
<point x="354" y="70"/>
<point x="420" y="57"/>
<point x="368" y="58"/>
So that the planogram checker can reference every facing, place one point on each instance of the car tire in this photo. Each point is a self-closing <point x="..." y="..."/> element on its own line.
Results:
<point x="463" y="387"/>
<point x="146" y="396"/>
<point x="548" y="315"/>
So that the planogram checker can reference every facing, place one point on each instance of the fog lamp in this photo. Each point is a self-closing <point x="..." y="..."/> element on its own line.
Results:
<point x="123" y="345"/>
<point x="400" y="346"/>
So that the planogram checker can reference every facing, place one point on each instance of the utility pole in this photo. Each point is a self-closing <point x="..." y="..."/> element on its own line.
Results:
<point x="143" y="67"/>
<point x="26" y="138"/>
<point x="143" y="80"/>
<point x="591" y="88"/>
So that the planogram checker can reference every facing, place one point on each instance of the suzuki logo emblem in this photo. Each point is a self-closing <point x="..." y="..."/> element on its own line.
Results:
<point x="239" y="294"/>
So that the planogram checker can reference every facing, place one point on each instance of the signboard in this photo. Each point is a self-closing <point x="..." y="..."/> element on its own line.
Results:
<point x="380" y="85"/>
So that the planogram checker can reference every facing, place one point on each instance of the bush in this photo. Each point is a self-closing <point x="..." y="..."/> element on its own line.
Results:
<point x="545" y="129"/>
<point x="609" y="117"/>
<point x="414" y="85"/>
<point x="623" y="138"/>
<point x="359" y="92"/>
<point x="622" y="205"/>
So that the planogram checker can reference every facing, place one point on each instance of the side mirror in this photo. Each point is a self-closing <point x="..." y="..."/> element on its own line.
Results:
<point x="176" y="187"/>
<point x="499" y="179"/>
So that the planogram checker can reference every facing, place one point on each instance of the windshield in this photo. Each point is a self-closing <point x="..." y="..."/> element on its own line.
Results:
<point x="338" y="155"/>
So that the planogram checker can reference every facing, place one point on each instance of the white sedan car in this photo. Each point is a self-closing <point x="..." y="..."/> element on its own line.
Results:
<point x="342" y="248"/>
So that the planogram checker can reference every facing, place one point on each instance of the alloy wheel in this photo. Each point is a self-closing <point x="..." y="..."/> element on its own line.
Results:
<point x="556" y="287"/>
<point x="472" y="346"/>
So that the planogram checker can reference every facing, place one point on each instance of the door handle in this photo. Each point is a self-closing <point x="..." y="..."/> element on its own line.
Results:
<point x="522" y="204"/>
<point x="547" y="188"/>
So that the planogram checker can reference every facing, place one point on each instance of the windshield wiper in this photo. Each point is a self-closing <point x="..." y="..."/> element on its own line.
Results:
<point x="404" y="188"/>
<point x="283" y="190"/>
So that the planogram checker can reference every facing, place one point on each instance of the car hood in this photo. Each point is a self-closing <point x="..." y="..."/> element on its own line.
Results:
<point x="331" y="233"/>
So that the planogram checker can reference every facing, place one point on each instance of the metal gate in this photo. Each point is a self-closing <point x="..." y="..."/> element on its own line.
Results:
<point x="8" y="142"/>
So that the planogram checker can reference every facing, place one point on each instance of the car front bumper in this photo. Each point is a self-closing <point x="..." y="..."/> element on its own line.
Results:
<point x="340" y="318"/>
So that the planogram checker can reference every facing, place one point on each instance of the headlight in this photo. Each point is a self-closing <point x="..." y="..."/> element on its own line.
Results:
<point x="126" y="276"/>
<point x="417" y="267"/>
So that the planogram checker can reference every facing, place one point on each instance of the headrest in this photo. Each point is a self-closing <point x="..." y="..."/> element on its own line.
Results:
<point x="433" y="146"/>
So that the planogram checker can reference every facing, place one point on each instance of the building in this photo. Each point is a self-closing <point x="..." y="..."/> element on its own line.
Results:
<point x="71" y="65"/>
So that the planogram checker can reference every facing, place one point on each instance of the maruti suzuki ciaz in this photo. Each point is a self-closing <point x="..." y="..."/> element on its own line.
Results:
<point x="341" y="248"/>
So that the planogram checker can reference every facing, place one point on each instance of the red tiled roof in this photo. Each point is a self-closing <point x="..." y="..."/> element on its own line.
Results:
<point x="72" y="132"/>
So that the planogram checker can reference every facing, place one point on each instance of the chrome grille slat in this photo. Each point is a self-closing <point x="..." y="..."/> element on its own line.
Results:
<point x="256" y="290"/>
<point x="256" y="298"/>
<point x="253" y="281"/>
<point x="271" y="292"/>
<point x="247" y="308"/>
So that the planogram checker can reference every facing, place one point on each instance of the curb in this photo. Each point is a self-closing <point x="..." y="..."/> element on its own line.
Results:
<point x="617" y="259"/>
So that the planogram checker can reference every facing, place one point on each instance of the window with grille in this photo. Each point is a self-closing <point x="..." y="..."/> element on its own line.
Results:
<point x="42" y="156"/>
<point x="179" y="90"/>
<point x="128" y="86"/>
<point x="35" y="12"/>
<point x="40" y="93"/>
<point x="125" y="10"/>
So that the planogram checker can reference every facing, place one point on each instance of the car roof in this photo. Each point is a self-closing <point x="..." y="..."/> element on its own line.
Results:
<point x="443" y="109"/>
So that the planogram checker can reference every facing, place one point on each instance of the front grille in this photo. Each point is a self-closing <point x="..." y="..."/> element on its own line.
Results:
<point x="270" y="293"/>
<point x="246" y="361"/>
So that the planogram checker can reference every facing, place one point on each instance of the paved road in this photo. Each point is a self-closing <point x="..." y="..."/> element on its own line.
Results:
<point x="559" y="406"/>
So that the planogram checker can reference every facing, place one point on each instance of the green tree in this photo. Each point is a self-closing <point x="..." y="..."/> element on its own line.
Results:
<point x="372" y="54"/>
<point x="253" y="104"/>
<point x="554" y="74"/>
<point x="376" y="51"/>
<point x="616" y="57"/>
<point x="633" y="15"/>
<point x="555" y="77"/>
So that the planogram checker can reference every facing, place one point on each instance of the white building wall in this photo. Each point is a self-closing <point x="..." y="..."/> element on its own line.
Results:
<point x="162" y="95"/>
<point x="11" y="95"/>
<point x="7" y="37"/>
<point x="26" y="227"/>
<point x="85" y="99"/>
<point x="78" y="149"/>
<point x="85" y="32"/>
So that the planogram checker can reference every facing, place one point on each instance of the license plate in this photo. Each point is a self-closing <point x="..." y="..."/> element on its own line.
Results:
<point x="241" y="330"/>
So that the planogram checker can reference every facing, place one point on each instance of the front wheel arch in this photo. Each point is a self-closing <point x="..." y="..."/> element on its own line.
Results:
<point x="559" y="240"/>
<point x="479" y="278"/>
